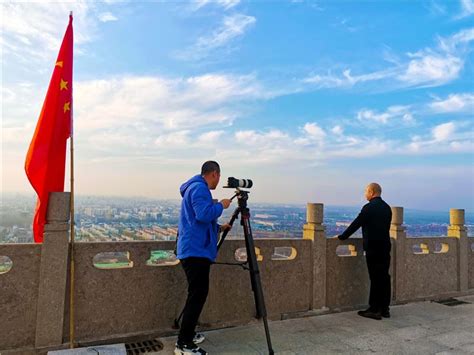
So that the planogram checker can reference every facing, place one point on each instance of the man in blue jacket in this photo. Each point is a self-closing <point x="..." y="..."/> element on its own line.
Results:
<point x="197" y="249"/>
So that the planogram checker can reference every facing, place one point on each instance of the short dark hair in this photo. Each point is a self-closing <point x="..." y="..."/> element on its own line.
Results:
<point x="209" y="167"/>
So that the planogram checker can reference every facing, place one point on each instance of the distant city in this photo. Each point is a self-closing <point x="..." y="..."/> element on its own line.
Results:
<point x="105" y="219"/>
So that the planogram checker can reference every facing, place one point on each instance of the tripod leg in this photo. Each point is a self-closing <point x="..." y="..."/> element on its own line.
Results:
<point x="231" y="222"/>
<point x="255" y="276"/>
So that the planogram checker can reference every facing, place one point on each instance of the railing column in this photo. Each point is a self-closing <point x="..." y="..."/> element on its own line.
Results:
<point x="457" y="229"/>
<point x="53" y="272"/>
<point x="399" y="235"/>
<point x="316" y="231"/>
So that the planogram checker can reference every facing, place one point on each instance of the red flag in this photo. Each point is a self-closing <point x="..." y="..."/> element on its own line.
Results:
<point x="46" y="159"/>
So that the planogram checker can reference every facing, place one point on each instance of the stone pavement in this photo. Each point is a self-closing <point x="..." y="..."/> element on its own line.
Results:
<point x="415" y="328"/>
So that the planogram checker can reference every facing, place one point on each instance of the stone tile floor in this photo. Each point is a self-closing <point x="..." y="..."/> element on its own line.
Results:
<point x="415" y="328"/>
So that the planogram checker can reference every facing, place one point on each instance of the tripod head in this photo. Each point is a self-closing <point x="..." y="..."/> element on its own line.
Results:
<point x="242" y="197"/>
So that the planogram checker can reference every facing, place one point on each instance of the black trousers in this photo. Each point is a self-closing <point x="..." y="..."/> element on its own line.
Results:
<point x="197" y="274"/>
<point x="378" y="264"/>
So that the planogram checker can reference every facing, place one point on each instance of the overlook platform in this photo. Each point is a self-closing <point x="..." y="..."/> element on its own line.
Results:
<point x="127" y="291"/>
<point x="414" y="328"/>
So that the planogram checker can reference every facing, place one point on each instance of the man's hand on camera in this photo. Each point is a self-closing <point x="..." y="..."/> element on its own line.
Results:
<point x="225" y="203"/>
<point x="225" y="227"/>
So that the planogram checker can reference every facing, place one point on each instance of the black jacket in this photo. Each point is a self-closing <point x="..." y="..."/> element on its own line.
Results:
<point x="374" y="218"/>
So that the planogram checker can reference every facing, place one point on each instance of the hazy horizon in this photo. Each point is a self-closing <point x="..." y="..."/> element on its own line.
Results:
<point x="79" y="197"/>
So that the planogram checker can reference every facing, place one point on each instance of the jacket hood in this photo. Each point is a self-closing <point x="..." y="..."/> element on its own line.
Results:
<point x="196" y="178"/>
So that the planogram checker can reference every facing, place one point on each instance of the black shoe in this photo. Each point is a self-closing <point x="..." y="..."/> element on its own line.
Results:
<point x="386" y="313"/>
<point x="189" y="350"/>
<point x="369" y="313"/>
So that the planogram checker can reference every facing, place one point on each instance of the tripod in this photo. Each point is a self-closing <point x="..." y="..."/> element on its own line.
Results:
<point x="242" y="209"/>
<point x="251" y="264"/>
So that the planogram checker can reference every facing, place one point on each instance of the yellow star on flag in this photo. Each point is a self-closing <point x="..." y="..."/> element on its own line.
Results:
<point x="67" y="107"/>
<point x="59" y="64"/>
<point x="63" y="84"/>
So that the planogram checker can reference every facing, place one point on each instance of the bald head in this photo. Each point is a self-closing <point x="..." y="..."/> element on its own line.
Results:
<point x="373" y="190"/>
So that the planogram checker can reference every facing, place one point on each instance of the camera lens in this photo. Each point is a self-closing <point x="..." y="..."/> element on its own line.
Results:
<point x="247" y="183"/>
<point x="244" y="183"/>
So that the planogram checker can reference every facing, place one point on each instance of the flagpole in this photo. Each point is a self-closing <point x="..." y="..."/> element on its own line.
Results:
<point x="71" y="291"/>
<point x="71" y="295"/>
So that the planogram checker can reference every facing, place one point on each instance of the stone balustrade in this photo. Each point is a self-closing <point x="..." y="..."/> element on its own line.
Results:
<point x="137" y="296"/>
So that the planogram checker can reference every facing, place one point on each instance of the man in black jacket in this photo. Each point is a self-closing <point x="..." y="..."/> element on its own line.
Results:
<point x="375" y="218"/>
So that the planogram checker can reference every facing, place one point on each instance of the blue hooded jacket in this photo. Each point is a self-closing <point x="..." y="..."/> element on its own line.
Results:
<point x="198" y="226"/>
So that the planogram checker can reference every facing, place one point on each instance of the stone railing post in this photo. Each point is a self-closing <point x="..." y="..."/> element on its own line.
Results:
<point x="457" y="229"/>
<point x="399" y="235"/>
<point x="53" y="272"/>
<point x="316" y="231"/>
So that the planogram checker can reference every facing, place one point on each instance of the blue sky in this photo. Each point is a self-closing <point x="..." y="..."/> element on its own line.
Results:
<point x="311" y="99"/>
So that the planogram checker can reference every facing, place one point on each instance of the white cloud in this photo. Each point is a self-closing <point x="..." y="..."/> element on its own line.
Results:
<point x="434" y="67"/>
<point x="226" y="4"/>
<point x="20" y="135"/>
<point x="337" y="130"/>
<point x="158" y="117"/>
<point x="215" y="88"/>
<point x="331" y="80"/>
<point x="362" y="149"/>
<point x="159" y="103"/>
<point x="414" y="146"/>
<point x="313" y="136"/>
<point x="384" y="117"/>
<point x="275" y="146"/>
<point x="257" y="147"/>
<point x="372" y="116"/>
<point x="107" y="17"/>
<point x="432" y="147"/>
<point x="314" y="131"/>
<point x="467" y="8"/>
<point x="34" y="31"/>
<point x="436" y="8"/>
<point x="425" y="68"/>
<point x="141" y="116"/>
<point x="261" y="139"/>
<point x="408" y="118"/>
<point x="443" y="131"/>
<point x="179" y="139"/>
<point x="133" y="113"/>
<point x="456" y="41"/>
<point x="443" y="138"/>
<point x="232" y="27"/>
<point x="210" y="137"/>
<point x="430" y="69"/>
<point x="465" y="146"/>
<point x="454" y="103"/>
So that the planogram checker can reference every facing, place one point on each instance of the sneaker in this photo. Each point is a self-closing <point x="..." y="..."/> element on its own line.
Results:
<point x="189" y="349"/>
<point x="368" y="313"/>
<point x="198" y="338"/>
